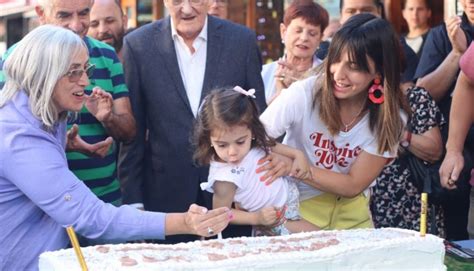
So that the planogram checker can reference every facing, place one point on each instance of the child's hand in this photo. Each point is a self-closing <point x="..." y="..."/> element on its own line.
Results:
<point x="271" y="216"/>
<point x="301" y="167"/>
<point x="267" y="216"/>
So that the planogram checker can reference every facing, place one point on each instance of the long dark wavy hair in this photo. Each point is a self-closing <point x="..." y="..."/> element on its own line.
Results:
<point x="223" y="108"/>
<point x="366" y="36"/>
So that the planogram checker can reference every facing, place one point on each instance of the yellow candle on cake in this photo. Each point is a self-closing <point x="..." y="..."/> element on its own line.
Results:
<point x="424" y="211"/>
<point x="77" y="247"/>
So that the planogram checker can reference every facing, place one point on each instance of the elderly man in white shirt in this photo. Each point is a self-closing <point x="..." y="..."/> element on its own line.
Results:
<point x="170" y="66"/>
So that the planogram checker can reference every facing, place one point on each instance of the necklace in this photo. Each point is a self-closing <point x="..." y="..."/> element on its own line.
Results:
<point x="346" y="126"/>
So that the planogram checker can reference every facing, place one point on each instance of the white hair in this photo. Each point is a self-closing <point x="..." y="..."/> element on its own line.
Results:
<point x="46" y="5"/>
<point x="36" y="64"/>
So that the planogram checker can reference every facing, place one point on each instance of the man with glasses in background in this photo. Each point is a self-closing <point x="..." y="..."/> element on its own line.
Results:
<point x="218" y="8"/>
<point x="94" y="157"/>
<point x="170" y="66"/>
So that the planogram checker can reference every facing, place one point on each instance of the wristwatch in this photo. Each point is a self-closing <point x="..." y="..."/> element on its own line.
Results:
<point x="405" y="143"/>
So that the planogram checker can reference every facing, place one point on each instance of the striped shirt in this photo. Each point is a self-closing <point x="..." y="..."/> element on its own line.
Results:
<point x="99" y="174"/>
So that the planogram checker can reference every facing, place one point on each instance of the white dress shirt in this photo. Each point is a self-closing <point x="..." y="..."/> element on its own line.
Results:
<point x="192" y="65"/>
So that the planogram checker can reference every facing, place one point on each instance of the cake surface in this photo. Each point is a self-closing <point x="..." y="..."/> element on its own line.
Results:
<point x="368" y="249"/>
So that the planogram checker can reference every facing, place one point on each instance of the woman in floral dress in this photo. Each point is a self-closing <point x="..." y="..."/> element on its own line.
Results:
<point x="395" y="200"/>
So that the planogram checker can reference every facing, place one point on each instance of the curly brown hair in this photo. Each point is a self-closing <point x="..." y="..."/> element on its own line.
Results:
<point x="226" y="107"/>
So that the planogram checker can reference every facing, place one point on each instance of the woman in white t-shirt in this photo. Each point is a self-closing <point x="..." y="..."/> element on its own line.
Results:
<point x="230" y="137"/>
<point x="348" y="121"/>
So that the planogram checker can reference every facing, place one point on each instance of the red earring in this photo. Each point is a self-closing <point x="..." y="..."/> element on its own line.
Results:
<point x="376" y="92"/>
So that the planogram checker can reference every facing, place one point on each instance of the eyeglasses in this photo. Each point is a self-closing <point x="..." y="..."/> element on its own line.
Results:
<point x="76" y="75"/>
<point x="178" y="3"/>
<point x="219" y="2"/>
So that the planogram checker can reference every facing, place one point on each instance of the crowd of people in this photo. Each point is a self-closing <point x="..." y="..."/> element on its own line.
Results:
<point x="177" y="129"/>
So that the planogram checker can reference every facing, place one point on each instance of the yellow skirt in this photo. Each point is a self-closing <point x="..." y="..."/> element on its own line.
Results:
<point x="331" y="212"/>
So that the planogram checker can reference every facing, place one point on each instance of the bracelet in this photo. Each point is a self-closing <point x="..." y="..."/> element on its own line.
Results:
<point x="405" y="143"/>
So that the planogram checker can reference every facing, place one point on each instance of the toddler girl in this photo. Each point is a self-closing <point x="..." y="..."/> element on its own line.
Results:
<point x="230" y="137"/>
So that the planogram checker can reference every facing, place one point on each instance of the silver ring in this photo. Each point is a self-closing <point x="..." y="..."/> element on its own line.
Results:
<point x="210" y="231"/>
<point x="450" y="182"/>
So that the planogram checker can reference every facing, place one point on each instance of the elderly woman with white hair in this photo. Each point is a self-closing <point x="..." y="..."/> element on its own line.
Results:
<point x="45" y="78"/>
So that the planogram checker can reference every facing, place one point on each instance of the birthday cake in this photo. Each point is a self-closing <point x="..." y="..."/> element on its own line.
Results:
<point x="368" y="249"/>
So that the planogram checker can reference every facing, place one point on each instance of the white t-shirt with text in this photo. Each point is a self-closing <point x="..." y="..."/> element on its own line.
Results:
<point x="293" y="113"/>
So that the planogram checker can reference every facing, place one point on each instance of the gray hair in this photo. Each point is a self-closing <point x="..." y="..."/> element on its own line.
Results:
<point x="36" y="64"/>
<point x="46" y="5"/>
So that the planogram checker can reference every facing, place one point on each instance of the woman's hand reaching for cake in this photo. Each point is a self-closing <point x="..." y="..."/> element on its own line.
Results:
<point x="203" y="222"/>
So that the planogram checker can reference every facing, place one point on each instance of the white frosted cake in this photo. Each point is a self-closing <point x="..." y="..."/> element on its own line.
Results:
<point x="370" y="249"/>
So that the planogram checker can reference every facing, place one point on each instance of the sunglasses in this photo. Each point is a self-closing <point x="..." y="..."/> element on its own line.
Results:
<point x="76" y="75"/>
